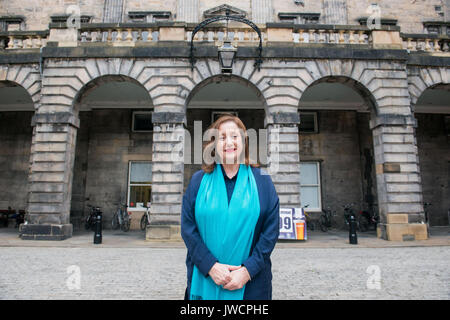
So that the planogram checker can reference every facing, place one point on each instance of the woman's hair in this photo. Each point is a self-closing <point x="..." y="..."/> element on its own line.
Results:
<point x="211" y="143"/>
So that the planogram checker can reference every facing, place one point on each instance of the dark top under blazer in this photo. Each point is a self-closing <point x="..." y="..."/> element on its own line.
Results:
<point x="265" y="236"/>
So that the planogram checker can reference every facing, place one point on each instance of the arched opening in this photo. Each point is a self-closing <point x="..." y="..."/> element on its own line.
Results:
<point x="219" y="94"/>
<point x="114" y="149"/>
<point x="336" y="148"/>
<point x="432" y="112"/>
<point x="16" y="112"/>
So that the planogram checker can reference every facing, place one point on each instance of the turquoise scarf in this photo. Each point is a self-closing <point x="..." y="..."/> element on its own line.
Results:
<point x="227" y="230"/>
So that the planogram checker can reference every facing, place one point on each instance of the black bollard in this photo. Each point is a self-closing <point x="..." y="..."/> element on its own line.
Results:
<point x="352" y="237"/>
<point x="98" y="228"/>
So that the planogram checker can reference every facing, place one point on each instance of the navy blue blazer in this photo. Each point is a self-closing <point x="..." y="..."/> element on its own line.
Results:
<point x="265" y="236"/>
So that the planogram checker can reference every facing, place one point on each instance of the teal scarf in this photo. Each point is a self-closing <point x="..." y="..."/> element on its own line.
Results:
<point x="227" y="230"/>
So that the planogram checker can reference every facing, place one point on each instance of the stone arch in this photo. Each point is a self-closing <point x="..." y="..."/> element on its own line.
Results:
<point x="95" y="83"/>
<point x="423" y="78"/>
<point x="358" y="87"/>
<point x="26" y="76"/>
<point x="220" y="77"/>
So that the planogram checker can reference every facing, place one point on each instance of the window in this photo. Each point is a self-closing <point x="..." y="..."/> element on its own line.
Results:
<point x="308" y="122"/>
<point x="142" y="121"/>
<point x="310" y="193"/>
<point x="139" y="184"/>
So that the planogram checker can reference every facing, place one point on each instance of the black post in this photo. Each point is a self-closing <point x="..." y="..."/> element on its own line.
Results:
<point x="98" y="228"/>
<point x="353" y="238"/>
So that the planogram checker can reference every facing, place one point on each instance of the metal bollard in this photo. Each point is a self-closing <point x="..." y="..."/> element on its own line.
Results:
<point x="98" y="228"/>
<point x="352" y="237"/>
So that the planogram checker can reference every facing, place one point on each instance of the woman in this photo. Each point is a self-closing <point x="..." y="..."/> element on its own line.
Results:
<point x="229" y="221"/>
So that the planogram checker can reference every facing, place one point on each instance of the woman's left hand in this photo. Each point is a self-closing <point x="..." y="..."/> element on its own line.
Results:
<point x="239" y="278"/>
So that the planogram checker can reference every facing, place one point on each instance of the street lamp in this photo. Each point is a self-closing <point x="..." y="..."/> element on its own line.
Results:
<point x="226" y="56"/>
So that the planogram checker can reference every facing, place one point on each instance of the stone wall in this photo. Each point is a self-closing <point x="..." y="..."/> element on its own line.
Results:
<point x="409" y="15"/>
<point x="15" y="146"/>
<point x="339" y="146"/>
<point x="105" y="145"/>
<point x="433" y="141"/>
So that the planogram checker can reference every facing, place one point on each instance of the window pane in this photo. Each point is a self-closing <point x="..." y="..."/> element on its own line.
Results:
<point x="307" y="122"/>
<point x="310" y="196"/>
<point x="140" y="196"/>
<point x="141" y="172"/>
<point x="308" y="174"/>
<point x="143" y="122"/>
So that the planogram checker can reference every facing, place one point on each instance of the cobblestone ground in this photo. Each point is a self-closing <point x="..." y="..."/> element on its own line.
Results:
<point x="158" y="273"/>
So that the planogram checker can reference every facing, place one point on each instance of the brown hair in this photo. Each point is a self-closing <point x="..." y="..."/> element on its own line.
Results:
<point x="211" y="144"/>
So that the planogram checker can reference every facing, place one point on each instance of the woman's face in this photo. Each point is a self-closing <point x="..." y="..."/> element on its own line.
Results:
<point x="229" y="144"/>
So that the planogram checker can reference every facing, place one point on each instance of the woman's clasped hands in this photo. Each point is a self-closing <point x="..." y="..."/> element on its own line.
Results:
<point x="229" y="277"/>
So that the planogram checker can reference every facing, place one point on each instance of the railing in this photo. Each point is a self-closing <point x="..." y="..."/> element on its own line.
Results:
<point x="331" y="34"/>
<point x="132" y="33"/>
<point x="426" y="42"/>
<point x="217" y="33"/>
<point x="119" y="33"/>
<point x="23" y="39"/>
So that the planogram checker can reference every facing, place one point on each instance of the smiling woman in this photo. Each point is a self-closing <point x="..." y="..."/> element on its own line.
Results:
<point x="228" y="227"/>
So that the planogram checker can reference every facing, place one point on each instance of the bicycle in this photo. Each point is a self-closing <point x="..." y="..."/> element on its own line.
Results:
<point x="368" y="219"/>
<point x="121" y="218"/>
<point x="145" y="220"/>
<point x="325" y="219"/>
<point x="91" y="219"/>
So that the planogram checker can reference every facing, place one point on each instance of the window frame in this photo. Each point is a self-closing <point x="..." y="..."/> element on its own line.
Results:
<point x="133" y="118"/>
<point x="318" y="185"/>
<point x="316" y="122"/>
<point x="129" y="184"/>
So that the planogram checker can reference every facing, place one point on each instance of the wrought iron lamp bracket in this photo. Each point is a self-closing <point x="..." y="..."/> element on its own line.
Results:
<point x="204" y="23"/>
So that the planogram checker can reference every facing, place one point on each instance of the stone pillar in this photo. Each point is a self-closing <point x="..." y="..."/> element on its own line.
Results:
<point x="188" y="11"/>
<point x="167" y="176"/>
<point x="398" y="178"/>
<point x="262" y="11"/>
<point x="334" y="12"/>
<point x="50" y="178"/>
<point x="283" y="157"/>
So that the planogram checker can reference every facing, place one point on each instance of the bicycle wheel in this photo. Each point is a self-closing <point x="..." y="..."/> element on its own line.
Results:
<point x="115" y="221"/>
<point x="323" y="223"/>
<point x="144" y="222"/>
<point x="125" y="226"/>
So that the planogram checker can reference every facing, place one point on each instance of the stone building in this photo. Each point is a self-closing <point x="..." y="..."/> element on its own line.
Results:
<point x="100" y="104"/>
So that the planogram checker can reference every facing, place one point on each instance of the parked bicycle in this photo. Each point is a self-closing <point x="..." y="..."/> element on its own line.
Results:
<point x="368" y="219"/>
<point x="121" y="219"/>
<point x="91" y="219"/>
<point x="325" y="219"/>
<point x="145" y="220"/>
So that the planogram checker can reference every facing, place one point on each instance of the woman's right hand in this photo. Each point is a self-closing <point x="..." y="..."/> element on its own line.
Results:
<point x="221" y="273"/>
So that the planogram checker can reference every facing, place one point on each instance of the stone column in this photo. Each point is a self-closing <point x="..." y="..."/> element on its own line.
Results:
<point x="50" y="178"/>
<point x="398" y="178"/>
<point x="283" y="157"/>
<point x="188" y="11"/>
<point x="262" y="11"/>
<point x="334" y="12"/>
<point x="167" y="176"/>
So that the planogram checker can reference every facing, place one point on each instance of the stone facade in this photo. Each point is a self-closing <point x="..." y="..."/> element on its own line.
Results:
<point x="77" y="154"/>
<point x="37" y="14"/>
